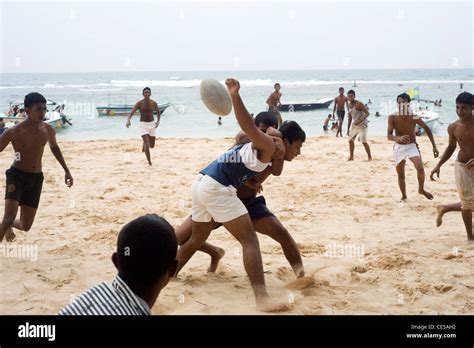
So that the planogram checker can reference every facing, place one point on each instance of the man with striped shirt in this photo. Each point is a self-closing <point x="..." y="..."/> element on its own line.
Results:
<point x="145" y="260"/>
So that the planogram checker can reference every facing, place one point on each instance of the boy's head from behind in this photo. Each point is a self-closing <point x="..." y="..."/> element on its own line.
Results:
<point x="464" y="105"/>
<point x="146" y="253"/>
<point x="35" y="106"/>
<point x="265" y="120"/>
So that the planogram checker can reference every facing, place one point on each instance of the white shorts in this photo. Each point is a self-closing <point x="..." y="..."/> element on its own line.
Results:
<point x="360" y="131"/>
<point x="465" y="184"/>
<point x="148" y="128"/>
<point x="402" y="152"/>
<point x="212" y="200"/>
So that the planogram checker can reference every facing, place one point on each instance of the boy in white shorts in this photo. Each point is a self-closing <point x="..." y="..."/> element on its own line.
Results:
<point x="148" y="126"/>
<point x="403" y="123"/>
<point x="215" y="198"/>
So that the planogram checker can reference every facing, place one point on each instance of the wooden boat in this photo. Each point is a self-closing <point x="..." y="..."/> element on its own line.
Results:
<point x="123" y="109"/>
<point x="319" y="104"/>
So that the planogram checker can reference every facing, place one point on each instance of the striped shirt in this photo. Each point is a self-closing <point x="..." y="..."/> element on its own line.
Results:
<point x="108" y="299"/>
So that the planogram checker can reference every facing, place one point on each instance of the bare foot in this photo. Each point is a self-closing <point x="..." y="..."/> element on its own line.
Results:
<point x="266" y="304"/>
<point x="9" y="235"/>
<point x="351" y="159"/>
<point x="215" y="258"/>
<point x="439" y="218"/>
<point x="426" y="194"/>
<point x="403" y="199"/>
<point x="369" y="159"/>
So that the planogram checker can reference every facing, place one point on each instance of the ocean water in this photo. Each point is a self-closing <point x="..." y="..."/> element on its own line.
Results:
<point x="188" y="117"/>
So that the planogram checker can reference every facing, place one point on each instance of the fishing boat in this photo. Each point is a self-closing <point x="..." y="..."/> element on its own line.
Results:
<point x="54" y="116"/>
<point x="429" y="117"/>
<point x="123" y="109"/>
<point x="319" y="104"/>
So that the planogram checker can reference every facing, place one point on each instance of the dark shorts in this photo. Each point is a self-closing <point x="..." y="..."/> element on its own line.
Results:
<point x="340" y="115"/>
<point x="257" y="207"/>
<point x="24" y="187"/>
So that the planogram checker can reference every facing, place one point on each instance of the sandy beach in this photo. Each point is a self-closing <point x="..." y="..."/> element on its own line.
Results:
<point x="402" y="263"/>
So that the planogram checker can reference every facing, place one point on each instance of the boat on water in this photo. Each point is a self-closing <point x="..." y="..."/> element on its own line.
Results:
<point x="429" y="117"/>
<point x="319" y="104"/>
<point x="123" y="109"/>
<point x="54" y="115"/>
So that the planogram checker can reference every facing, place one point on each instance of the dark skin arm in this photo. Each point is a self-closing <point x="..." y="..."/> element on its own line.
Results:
<point x="427" y="129"/>
<point x="59" y="156"/>
<point x="260" y="141"/>
<point x="135" y="108"/>
<point x="447" y="153"/>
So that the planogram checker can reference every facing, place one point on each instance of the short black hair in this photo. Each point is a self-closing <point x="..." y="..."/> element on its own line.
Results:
<point x="267" y="118"/>
<point x="351" y="91"/>
<point x="465" y="98"/>
<point x="276" y="84"/>
<point x="146" y="89"/>
<point x="341" y="87"/>
<point x="146" y="246"/>
<point x="33" y="98"/>
<point x="291" y="131"/>
<point x="404" y="96"/>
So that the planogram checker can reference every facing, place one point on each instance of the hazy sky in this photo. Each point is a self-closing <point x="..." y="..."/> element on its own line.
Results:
<point x="77" y="36"/>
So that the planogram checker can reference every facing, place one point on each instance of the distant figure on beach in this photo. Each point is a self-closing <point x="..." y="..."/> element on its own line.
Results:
<point x="2" y="126"/>
<point x="340" y="103"/>
<point x="335" y="126"/>
<point x="215" y="197"/>
<point x="274" y="103"/>
<point x="219" y="121"/>
<point x="404" y="123"/>
<point x="263" y="220"/>
<point x="461" y="132"/>
<point x="369" y="102"/>
<point x="358" y="113"/>
<point x="145" y="259"/>
<point x="377" y="114"/>
<point x="326" y="123"/>
<point x="64" y="119"/>
<point x="147" y="122"/>
<point x="25" y="178"/>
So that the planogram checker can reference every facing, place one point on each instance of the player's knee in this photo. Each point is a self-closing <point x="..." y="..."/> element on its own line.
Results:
<point x="249" y="240"/>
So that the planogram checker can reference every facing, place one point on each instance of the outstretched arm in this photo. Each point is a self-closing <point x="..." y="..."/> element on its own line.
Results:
<point x="427" y="129"/>
<point x="59" y="156"/>
<point x="260" y="141"/>
<point x="447" y="153"/>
